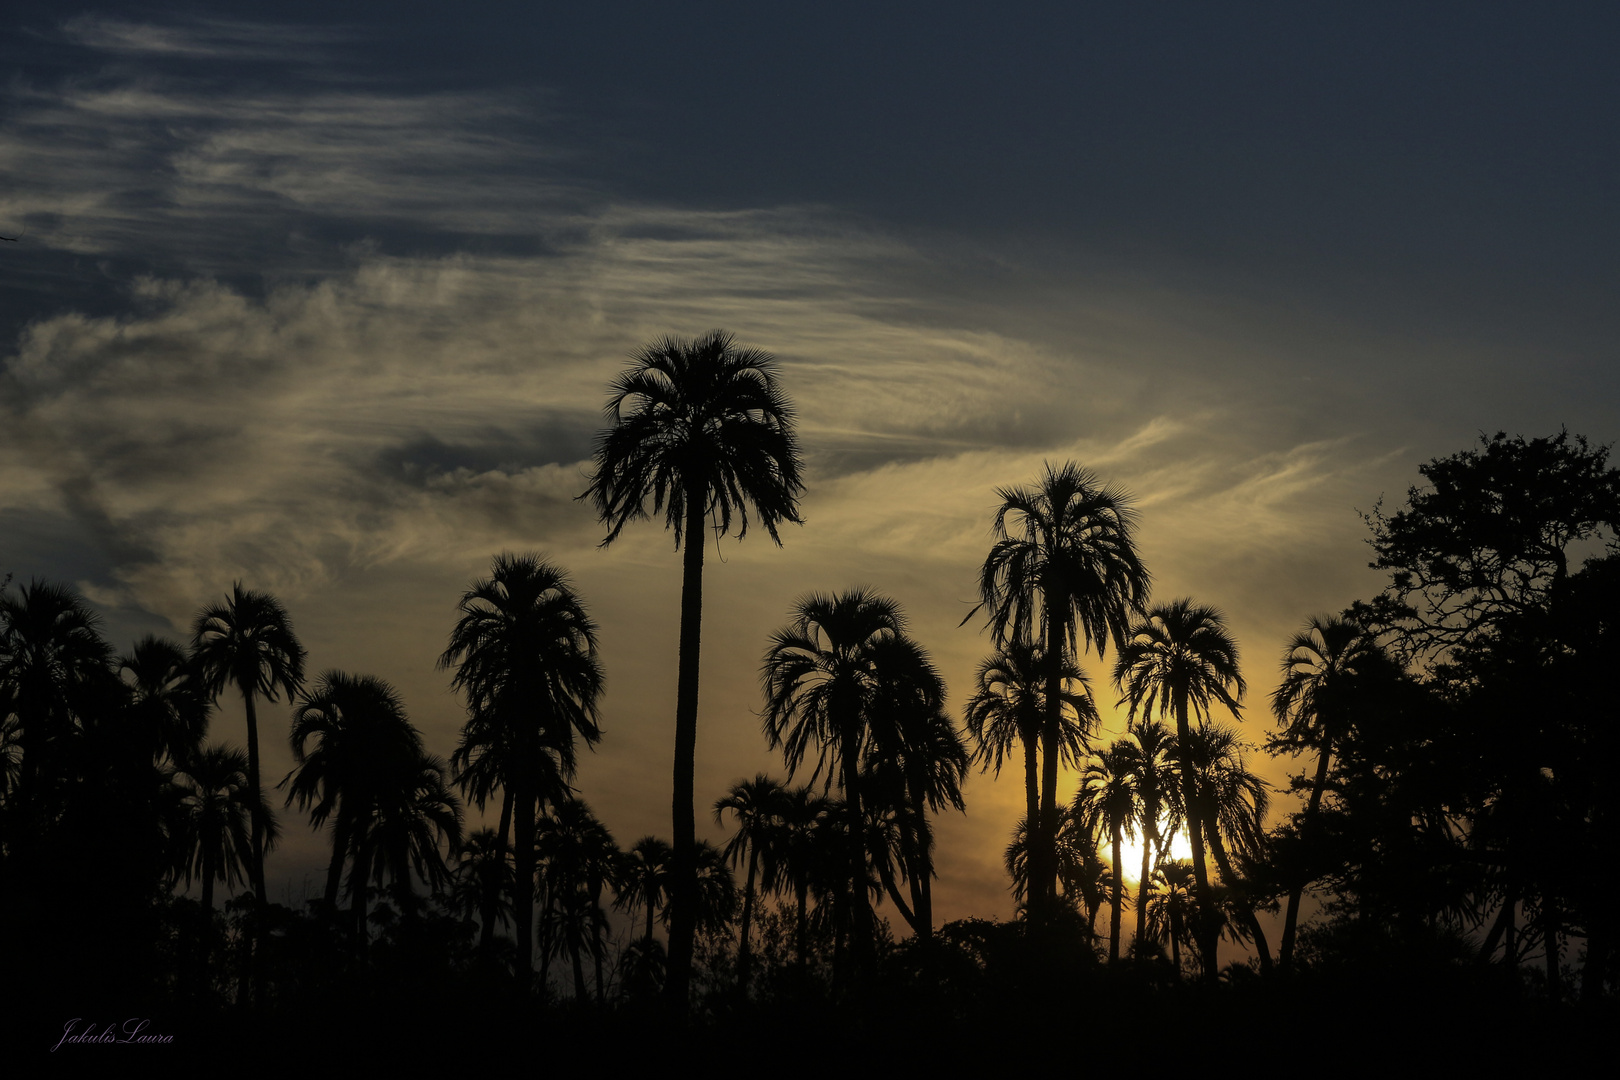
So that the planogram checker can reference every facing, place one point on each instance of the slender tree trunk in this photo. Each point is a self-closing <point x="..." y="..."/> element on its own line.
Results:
<point x="1119" y="895"/>
<point x="1149" y="828"/>
<point x="1206" y="922"/>
<point x="334" y="865"/>
<point x="801" y="930"/>
<point x="1291" y="920"/>
<point x="523" y="888"/>
<point x="1031" y="812"/>
<point x="683" y="898"/>
<point x="744" y="945"/>
<point x="579" y="969"/>
<point x="257" y="869"/>
<point x="1043" y="870"/>
<point x="1252" y="924"/>
<point x="861" y="922"/>
<point x="1549" y="932"/>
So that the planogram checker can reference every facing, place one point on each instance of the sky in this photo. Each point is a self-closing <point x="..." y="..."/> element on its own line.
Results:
<point x="326" y="298"/>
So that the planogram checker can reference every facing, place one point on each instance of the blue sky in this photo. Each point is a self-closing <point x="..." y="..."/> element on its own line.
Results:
<point x="327" y="298"/>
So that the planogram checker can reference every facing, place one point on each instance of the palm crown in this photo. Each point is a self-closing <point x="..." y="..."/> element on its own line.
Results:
<point x="698" y="420"/>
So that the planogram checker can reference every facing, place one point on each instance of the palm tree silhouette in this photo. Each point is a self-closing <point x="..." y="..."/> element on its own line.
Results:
<point x="55" y="672"/>
<point x="1063" y="572"/>
<point x="832" y="678"/>
<point x="248" y="642"/>
<point x="1234" y="802"/>
<point x="524" y="651"/>
<point x="362" y="736"/>
<point x="642" y="879"/>
<point x="1157" y="798"/>
<point x="579" y="860"/>
<point x="701" y="428"/>
<point x="216" y="811"/>
<point x="484" y="885"/>
<point x="758" y="805"/>
<point x="1180" y="659"/>
<point x="166" y="699"/>
<point x="1008" y="709"/>
<point x="1107" y="804"/>
<point x="1311" y="703"/>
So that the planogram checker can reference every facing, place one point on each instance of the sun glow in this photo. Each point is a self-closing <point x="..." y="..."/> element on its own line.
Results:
<point x="1130" y="854"/>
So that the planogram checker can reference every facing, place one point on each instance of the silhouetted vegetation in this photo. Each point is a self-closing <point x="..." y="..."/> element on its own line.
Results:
<point x="1452" y="825"/>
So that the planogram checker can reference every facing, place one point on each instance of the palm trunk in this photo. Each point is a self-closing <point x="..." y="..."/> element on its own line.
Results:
<point x="340" y="851"/>
<point x="860" y="927"/>
<point x="1119" y="896"/>
<point x="801" y="929"/>
<point x="683" y="898"/>
<point x="1291" y="920"/>
<point x="1206" y="921"/>
<point x="1252" y="924"/>
<point x="1549" y="931"/>
<point x="1043" y="854"/>
<point x="523" y="889"/>
<point x="1149" y="816"/>
<point x="257" y="869"/>
<point x="744" y="946"/>
<point x="1032" y="807"/>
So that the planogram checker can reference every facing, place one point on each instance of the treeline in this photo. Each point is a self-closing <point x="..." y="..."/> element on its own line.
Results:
<point x="1456" y="730"/>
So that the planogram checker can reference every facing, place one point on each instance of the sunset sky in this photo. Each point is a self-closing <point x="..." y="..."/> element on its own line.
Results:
<point x="328" y="302"/>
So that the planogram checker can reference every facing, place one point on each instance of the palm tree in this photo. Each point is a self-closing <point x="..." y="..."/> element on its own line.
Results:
<point x="1234" y="804"/>
<point x="55" y="673"/>
<point x="579" y="860"/>
<point x="1311" y="703"/>
<point x="1008" y="708"/>
<point x="1107" y="804"/>
<point x="758" y="805"/>
<point x="798" y="855"/>
<point x="362" y="737"/>
<point x="642" y="879"/>
<point x="166" y="700"/>
<point x="248" y="642"/>
<point x="842" y="676"/>
<point x="484" y="884"/>
<point x="1179" y="660"/>
<point x="1063" y="572"/>
<point x="216" y="811"/>
<point x="701" y="428"/>
<point x="1157" y="798"/>
<point x="524" y="651"/>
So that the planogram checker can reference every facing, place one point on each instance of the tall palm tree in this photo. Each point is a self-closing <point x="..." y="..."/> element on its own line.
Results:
<point x="758" y="805"/>
<point x="248" y="642"/>
<point x="1157" y="798"/>
<point x="166" y="699"/>
<point x="1107" y="805"/>
<point x="798" y="855"/>
<point x="578" y="860"/>
<point x="55" y="673"/>
<point x="1008" y="709"/>
<point x="216" y="810"/>
<point x="702" y="428"/>
<point x="642" y="879"/>
<point x="524" y="651"/>
<point x="1063" y="572"/>
<point x="833" y="678"/>
<point x="1234" y="801"/>
<point x="484" y="884"/>
<point x="1179" y="660"/>
<point x="363" y="741"/>
<point x="1312" y="704"/>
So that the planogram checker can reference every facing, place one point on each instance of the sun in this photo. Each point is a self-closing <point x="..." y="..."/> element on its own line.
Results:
<point x="1130" y="854"/>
